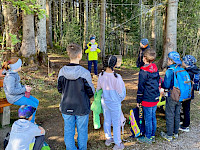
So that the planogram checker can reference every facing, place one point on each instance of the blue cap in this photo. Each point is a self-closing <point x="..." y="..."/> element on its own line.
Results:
<point x="92" y="38"/>
<point x="25" y="111"/>
<point x="144" y="41"/>
<point x="189" y="60"/>
<point x="175" y="57"/>
<point x="16" y="65"/>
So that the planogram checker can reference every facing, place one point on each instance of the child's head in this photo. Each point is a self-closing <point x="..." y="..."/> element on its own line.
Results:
<point x="109" y="62"/>
<point x="26" y="112"/>
<point x="92" y="38"/>
<point x="174" y="58"/>
<point x="189" y="61"/>
<point x="74" y="51"/>
<point x="14" y="64"/>
<point x="144" y="43"/>
<point x="149" y="56"/>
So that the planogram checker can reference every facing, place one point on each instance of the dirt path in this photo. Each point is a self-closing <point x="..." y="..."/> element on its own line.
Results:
<point x="49" y="116"/>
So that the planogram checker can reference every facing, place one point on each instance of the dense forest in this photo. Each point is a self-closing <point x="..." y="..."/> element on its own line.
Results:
<point x="29" y="28"/>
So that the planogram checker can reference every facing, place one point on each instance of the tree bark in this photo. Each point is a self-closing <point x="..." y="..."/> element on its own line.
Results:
<point x="60" y="20"/>
<point x="153" y="23"/>
<point x="171" y="30"/>
<point x="55" y="10"/>
<point x="85" y="34"/>
<point x="102" y="28"/>
<point x="28" y="42"/>
<point x="40" y="35"/>
<point x="49" y="24"/>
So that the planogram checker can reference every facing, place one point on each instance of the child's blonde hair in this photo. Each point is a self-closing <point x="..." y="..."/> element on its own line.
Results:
<point x="6" y="64"/>
<point x="150" y="55"/>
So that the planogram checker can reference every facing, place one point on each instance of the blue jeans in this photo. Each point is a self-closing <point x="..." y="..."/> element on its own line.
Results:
<point x="69" y="131"/>
<point x="150" y="120"/>
<point x="32" y="101"/>
<point x="95" y="62"/>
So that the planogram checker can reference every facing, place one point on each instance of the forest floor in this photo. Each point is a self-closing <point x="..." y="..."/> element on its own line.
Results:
<point x="49" y="116"/>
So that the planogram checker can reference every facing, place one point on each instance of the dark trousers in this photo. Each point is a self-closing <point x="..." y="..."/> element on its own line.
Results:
<point x="172" y="113"/>
<point x="39" y="141"/>
<point x="186" y="113"/>
<point x="95" y="62"/>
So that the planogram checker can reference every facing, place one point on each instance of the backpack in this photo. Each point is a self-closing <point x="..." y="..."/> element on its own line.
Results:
<point x="182" y="83"/>
<point x="196" y="83"/>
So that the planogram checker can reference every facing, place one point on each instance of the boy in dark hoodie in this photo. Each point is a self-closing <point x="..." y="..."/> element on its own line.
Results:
<point x="25" y="134"/>
<point x="148" y="94"/>
<point x="75" y="85"/>
<point x="189" y="65"/>
<point x="144" y="44"/>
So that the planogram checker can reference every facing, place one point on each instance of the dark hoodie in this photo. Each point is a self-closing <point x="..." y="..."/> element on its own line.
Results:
<point x="148" y="86"/>
<point x="140" y="62"/>
<point x="191" y="71"/>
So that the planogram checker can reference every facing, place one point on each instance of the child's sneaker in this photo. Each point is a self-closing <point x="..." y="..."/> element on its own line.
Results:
<point x="166" y="137"/>
<point x="144" y="139"/>
<point x="120" y="147"/>
<point x="109" y="142"/>
<point x="185" y="129"/>
<point x="153" y="139"/>
<point x="175" y="136"/>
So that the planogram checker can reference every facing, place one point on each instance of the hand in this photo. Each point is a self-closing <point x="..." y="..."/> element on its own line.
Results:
<point x="42" y="129"/>
<point x="90" y="48"/>
<point x="161" y="91"/>
<point x="138" y="105"/>
<point x="28" y="88"/>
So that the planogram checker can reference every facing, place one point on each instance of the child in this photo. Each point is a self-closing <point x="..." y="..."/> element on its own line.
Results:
<point x="114" y="92"/>
<point x="189" y="65"/>
<point x="75" y="85"/>
<point x="15" y="92"/>
<point x="148" y="95"/>
<point x="25" y="134"/>
<point x="92" y="50"/>
<point x="172" y="110"/>
<point x="144" y="44"/>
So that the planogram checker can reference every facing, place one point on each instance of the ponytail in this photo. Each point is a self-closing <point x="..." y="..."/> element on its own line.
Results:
<point x="6" y="65"/>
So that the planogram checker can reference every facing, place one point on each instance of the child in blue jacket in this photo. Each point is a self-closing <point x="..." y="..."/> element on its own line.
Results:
<point x="172" y="110"/>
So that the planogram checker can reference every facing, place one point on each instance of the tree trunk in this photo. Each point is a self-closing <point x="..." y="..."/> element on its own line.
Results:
<point x="28" y="42"/>
<point x="54" y="20"/>
<point x="49" y="24"/>
<point x="85" y="34"/>
<point x="1" y="19"/>
<point x="10" y="15"/>
<point x="153" y="23"/>
<point x="60" y="20"/>
<point x="102" y="28"/>
<point x="171" y="30"/>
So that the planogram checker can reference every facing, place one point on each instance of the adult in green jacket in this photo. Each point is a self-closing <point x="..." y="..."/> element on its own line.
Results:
<point x="92" y="50"/>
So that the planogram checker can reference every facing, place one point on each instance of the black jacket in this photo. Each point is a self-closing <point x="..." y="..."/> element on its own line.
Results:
<point x="140" y="62"/>
<point x="148" y="86"/>
<point x="75" y="85"/>
<point x="191" y="71"/>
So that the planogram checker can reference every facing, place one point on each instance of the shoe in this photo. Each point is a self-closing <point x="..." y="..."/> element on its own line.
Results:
<point x="153" y="139"/>
<point x="175" y="136"/>
<point x="144" y="139"/>
<point x="185" y="129"/>
<point x="120" y="147"/>
<point x="109" y="142"/>
<point x="166" y="137"/>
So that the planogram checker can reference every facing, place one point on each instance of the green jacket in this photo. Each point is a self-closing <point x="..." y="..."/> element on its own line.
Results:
<point x="97" y="109"/>
<point x="92" y="55"/>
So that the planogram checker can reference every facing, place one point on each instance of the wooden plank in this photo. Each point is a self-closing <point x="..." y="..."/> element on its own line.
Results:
<point x="1" y="82"/>
<point x="5" y="117"/>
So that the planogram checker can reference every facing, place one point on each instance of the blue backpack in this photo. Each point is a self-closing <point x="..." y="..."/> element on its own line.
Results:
<point x="196" y="83"/>
<point x="182" y="82"/>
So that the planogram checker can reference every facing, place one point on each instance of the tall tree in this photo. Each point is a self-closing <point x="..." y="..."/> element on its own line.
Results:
<point x="49" y="23"/>
<point x="40" y="35"/>
<point x="85" y="34"/>
<point x="171" y="30"/>
<point x="102" y="27"/>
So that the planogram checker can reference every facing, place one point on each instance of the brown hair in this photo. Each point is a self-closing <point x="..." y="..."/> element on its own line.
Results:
<point x="13" y="60"/>
<point x="150" y="55"/>
<point x="73" y="50"/>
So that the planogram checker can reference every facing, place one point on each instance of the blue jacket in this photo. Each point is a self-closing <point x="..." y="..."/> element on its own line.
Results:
<point x="12" y="87"/>
<point x="148" y="86"/>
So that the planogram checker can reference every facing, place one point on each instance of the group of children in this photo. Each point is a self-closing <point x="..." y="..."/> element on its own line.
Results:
<point x="75" y="85"/>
